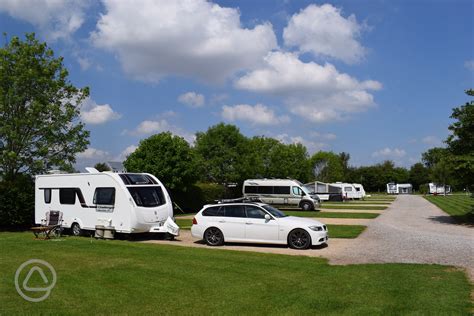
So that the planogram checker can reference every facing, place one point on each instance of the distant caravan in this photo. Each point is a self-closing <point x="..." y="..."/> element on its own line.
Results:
<point x="280" y="192"/>
<point x="127" y="202"/>
<point x="436" y="188"/>
<point x="325" y="191"/>
<point x="399" y="188"/>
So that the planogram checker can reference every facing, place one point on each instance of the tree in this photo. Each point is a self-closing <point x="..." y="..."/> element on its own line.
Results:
<point x="327" y="166"/>
<point x="39" y="110"/>
<point x="441" y="173"/>
<point x="419" y="175"/>
<point x="101" y="166"/>
<point x="168" y="157"/>
<point x="345" y="157"/>
<point x="290" y="161"/>
<point x="432" y="156"/>
<point x="222" y="153"/>
<point x="461" y="143"/>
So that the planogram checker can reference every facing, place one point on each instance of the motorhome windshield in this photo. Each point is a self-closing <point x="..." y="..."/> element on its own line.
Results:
<point x="305" y="189"/>
<point x="147" y="196"/>
<point x="275" y="212"/>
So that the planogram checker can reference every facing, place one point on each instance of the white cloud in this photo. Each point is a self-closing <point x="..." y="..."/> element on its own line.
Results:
<point x="431" y="140"/>
<point x="197" y="39"/>
<point x="93" y="153"/>
<point x="323" y="31"/>
<point x="126" y="152"/>
<point x="258" y="114"/>
<point x="192" y="99"/>
<point x="315" y="92"/>
<point x="469" y="65"/>
<point x="311" y="146"/>
<point x="55" y="19"/>
<point x="84" y="63"/>
<point x="389" y="153"/>
<point x="327" y="136"/>
<point x="158" y="126"/>
<point x="93" y="113"/>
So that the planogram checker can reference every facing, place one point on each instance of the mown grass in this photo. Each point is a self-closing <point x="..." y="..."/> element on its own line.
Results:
<point x="362" y="202"/>
<point x="352" y="207"/>
<point x="335" y="231"/>
<point x="345" y="231"/>
<point x="128" y="278"/>
<point x="331" y="214"/>
<point x="458" y="206"/>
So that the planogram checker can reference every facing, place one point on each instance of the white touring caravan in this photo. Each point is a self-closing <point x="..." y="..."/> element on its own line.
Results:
<point x="325" y="191"/>
<point x="399" y="188"/>
<point x="360" y="190"/>
<point x="280" y="191"/>
<point x="349" y="192"/>
<point x="126" y="202"/>
<point x="436" y="188"/>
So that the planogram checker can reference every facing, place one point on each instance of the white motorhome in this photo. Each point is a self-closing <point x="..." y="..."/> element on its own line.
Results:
<point x="349" y="192"/>
<point x="281" y="192"/>
<point x="128" y="202"/>
<point x="325" y="191"/>
<point x="436" y="188"/>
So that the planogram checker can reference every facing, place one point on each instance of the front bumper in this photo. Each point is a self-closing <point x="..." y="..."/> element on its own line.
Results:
<point x="318" y="238"/>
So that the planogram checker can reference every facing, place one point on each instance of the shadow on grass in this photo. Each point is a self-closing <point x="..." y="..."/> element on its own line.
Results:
<point x="463" y="220"/>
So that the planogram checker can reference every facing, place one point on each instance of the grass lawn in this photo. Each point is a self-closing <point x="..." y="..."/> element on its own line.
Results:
<point x="386" y="203"/>
<point x="345" y="231"/>
<point x="335" y="231"/>
<point x="342" y="206"/>
<point x="331" y="214"/>
<point x="460" y="207"/>
<point x="121" y="277"/>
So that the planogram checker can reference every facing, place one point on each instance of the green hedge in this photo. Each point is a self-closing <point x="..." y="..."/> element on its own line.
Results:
<point x="17" y="202"/>
<point x="198" y="195"/>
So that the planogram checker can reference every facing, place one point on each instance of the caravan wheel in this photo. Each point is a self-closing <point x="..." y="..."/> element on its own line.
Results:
<point x="306" y="206"/>
<point x="76" y="229"/>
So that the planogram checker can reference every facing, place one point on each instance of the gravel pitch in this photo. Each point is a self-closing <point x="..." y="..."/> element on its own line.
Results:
<point x="411" y="230"/>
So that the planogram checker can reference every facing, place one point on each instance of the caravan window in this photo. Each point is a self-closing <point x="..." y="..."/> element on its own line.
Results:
<point x="251" y="189"/>
<point x="67" y="196"/>
<point x="104" y="196"/>
<point x="147" y="196"/>
<point x="47" y="196"/>
<point x="347" y="189"/>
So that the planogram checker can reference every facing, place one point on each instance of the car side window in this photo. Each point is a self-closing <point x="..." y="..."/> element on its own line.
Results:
<point x="254" y="212"/>
<point x="234" y="211"/>
<point x="211" y="211"/>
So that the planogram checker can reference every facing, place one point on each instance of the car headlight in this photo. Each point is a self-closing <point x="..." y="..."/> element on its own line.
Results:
<point x="316" y="228"/>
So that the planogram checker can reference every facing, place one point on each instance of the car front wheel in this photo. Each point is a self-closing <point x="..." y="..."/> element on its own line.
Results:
<point x="299" y="239"/>
<point x="214" y="237"/>
<point x="306" y="206"/>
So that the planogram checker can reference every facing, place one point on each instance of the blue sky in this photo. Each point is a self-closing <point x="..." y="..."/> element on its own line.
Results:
<point x="377" y="79"/>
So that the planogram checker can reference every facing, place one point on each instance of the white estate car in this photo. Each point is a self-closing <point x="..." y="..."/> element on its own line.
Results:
<point x="256" y="223"/>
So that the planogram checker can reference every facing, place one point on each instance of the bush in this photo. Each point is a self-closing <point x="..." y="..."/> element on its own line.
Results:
<point x="17" y="202"/>
<point x="198" y="195"/>
<point x="424" y="189"/>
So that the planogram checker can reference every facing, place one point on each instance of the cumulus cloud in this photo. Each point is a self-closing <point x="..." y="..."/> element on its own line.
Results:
<point x="257" y="115"/>
<point x="148" y="127"/>
<point x="389" y="153"/>
<point x="93" y="113"/>
<point x="315" y="92"/>
<point x="431" y="140"/>
<point x="55" y="19"/>
<point x="192" y="99"/>
<point x="323" y="31"/>
<point x="469" y="65"/>
<point x="327" y="136"/>
<point x="196" y="39"/>
<point x="126" y="152"/>
<point x="310" y="145"/>
<point x="93" y="153"/>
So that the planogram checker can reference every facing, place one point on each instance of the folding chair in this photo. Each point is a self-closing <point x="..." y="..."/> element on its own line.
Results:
<point x="50" y="226"/>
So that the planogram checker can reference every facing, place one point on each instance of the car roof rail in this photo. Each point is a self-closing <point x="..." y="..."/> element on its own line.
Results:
<point x="239" y="200"/>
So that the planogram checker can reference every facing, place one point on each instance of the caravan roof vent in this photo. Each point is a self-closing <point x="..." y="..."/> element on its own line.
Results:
<point x="116" y="166"/>
<point x="92" y="170"/>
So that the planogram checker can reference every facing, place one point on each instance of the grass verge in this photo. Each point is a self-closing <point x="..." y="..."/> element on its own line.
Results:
<point x="332" y="214"/>
<point x="352" y="207"/>
<point x="120" y="277"/>
<point x="459" y="207"/>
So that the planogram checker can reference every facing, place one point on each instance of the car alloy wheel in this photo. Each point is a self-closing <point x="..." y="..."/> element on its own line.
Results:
<point x="214" y="237"/>
<point x="299" y="239"/>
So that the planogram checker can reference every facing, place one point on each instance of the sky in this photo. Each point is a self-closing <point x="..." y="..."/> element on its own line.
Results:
<point x="377" y="79"/>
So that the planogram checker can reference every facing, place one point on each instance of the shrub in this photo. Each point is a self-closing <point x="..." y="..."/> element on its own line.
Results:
<point x="17" y="199"/>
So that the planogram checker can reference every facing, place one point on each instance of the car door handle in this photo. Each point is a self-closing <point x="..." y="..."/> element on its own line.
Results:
<point x="221" y="221"/>
<point x="248" y="223"/>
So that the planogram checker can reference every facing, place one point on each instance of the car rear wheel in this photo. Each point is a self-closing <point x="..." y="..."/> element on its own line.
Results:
<point x="213" y="236"/>
<point x="299" y="239"/>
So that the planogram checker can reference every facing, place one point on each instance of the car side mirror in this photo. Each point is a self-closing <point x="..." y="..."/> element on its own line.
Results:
<point x="267" y="217"/>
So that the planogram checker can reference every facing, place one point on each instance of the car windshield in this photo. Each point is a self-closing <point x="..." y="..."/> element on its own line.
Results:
<point x="275" y="212"/>
<point x="305" y="189"/>
<point x="147" y="196"/>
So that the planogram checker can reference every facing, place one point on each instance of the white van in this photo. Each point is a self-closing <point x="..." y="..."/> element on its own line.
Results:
<point x="280" y="192"/>
<point x="128" y="202"/>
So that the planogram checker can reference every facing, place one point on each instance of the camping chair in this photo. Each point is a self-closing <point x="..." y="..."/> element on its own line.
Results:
<point x="50" y="226"/>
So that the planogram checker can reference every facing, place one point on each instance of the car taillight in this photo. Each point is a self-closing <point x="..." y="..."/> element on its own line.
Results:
<point x="195" y="221"/>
